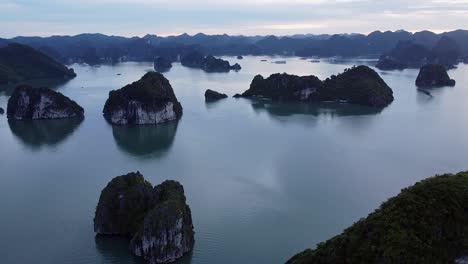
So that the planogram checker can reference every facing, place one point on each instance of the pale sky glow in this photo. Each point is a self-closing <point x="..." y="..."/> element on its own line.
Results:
<point x="247" y="17"/>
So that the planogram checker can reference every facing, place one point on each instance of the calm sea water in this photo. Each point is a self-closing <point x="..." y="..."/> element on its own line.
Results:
<point x="264" y="181"/>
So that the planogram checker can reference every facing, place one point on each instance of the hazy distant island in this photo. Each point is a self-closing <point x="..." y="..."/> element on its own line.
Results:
<point x="409" y="54"/>
<point x="432" y="76"/>
<point x="28" y="103"/>
<point x="157" y="220"/>
<point x="211" y="96"/>
<point x="162" y="64"/>
<point x="99" y="48"/>
<point x="19" y="63"/>
<point x="425" y="223"/>
<point x="207" y="63"/>
<point x="358" y="85"/>
<point x="150" y="100"/>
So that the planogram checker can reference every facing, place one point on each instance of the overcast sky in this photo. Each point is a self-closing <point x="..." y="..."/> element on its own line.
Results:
<point x="247" y="17"/>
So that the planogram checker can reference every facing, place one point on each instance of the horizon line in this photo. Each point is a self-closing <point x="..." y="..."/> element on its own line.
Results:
<point x="235" y="35"/>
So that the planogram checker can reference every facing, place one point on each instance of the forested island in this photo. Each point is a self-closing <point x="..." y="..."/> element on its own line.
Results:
<point x="20" y="63"/>
<point x="425" y="223"/>
<point x="358" y="85"/>
<point x="156" y="220"/>
<point x="150" y="100"/>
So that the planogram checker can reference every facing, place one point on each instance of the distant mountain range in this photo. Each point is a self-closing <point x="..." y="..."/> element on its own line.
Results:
<point x="99" y="48"/>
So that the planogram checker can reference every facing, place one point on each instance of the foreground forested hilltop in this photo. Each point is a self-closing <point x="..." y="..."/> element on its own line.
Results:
<point x="425" y="223"/>
<point x="95" y="48"/>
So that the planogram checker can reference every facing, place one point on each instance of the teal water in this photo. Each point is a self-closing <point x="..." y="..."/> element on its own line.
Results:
<point x="263" y="181"/>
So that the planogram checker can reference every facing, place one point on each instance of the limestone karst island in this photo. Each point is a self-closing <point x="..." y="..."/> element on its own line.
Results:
<point x="234" y="132"/>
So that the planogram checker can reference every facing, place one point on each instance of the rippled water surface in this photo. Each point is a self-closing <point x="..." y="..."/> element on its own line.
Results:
<point x="264" y="181"/>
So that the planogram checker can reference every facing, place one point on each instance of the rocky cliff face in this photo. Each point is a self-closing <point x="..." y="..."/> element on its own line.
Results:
<point x="151" y="100"/>
<point x="41" y="103"/>
<point x="433" y="75"/>
<point x="167" y="231"/>
<point x="208" y="63"/>
<point x="358" y="85"/>
<point x="158" y="220"/>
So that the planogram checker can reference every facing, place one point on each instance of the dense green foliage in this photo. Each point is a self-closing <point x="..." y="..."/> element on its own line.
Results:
<point x="425" y="223"/>
<point x="282" y="87"/>
<point x="358" y="85"/>
<point x="20" y="63"/>
<point x="123" y="204"/>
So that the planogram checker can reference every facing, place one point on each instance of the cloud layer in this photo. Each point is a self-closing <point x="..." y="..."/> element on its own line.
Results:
<point x="248" y="17"/>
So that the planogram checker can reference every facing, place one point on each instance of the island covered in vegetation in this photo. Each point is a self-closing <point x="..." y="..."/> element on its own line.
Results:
<point x="20" y="63"/>
<point x="150" y="100"/>
<point x="157" y="220"/>
<point x="358" y="85"/>
<point x="425" y="223"/>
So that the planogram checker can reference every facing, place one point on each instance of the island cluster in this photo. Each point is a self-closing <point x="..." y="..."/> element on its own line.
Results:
<point x="426" y="223"/>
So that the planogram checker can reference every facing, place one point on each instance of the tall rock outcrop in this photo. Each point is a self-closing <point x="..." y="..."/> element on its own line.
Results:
<point x="151" y="100"/>
<point x="157" y="220"/>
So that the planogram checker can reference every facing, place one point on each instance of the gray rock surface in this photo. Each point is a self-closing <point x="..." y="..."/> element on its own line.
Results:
<point x="41" y="103"/>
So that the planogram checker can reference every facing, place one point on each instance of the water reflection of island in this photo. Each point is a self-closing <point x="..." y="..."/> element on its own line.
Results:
<point x="145" y="140"/>
<point x="39" y="133"/>
<point x="115" y="248"/>
<point x="314" y="109"/>
<point x="53" y="84"/>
